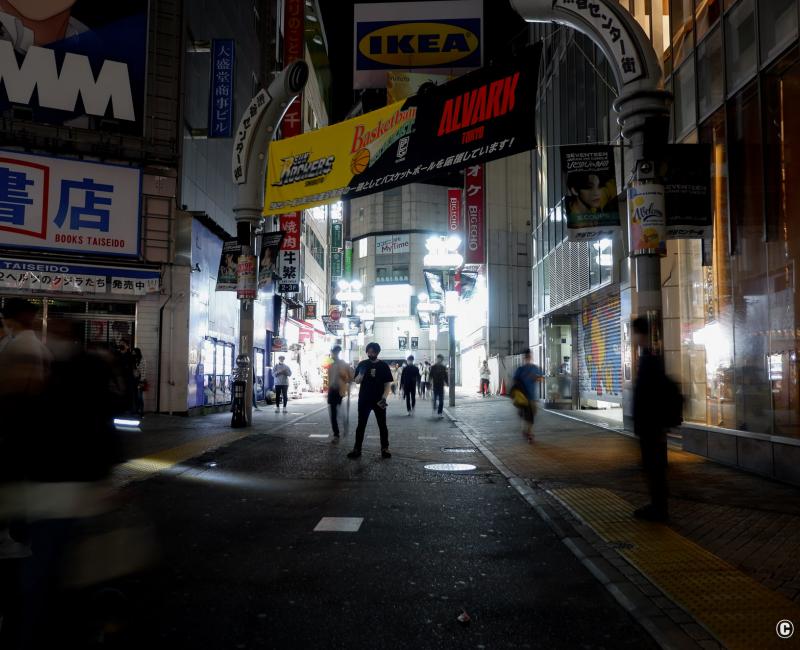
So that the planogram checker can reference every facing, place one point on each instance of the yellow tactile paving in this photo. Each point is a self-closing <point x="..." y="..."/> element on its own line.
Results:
<point x="739" y="611"/>
<point x="167" y="458"/>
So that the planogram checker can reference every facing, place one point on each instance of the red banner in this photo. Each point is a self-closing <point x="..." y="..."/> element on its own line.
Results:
<point x="474" y="223"/>
<point x="454" y="211"/>
<point x="290" y="226"/>
<point x="293" y="50"/>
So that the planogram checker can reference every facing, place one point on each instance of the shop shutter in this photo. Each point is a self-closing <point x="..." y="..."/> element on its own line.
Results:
<point x="599" y="348"/>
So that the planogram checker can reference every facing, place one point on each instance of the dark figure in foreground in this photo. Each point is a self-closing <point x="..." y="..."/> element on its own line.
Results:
<point x="408" y="381"/>
<point x="438" y="377"/>
<point x="375" y="378"/>
<point x="649" y="422"/>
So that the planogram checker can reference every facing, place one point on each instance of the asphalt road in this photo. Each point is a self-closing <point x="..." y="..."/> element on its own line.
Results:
<point x="242" y="566"/>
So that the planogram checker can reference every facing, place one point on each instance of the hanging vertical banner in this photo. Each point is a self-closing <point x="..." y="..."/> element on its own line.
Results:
<point x="246" y="277"/>
<point x="454" y="212"/>
<point x="687" y="183"/>
<point x="434" y="282"/>
<point x="268" y="260"/>
<point x="590" y="204"/>
<point x="228" y="263"/>
<point x="646" y="208"/>
<point x="474" y="222"/>
<point x="336" y="235"/>
<point x="220" y="109"/>
<point x="468" y="280"/>
<point x="290" y="254"/>
<point x="293" y="50"/>
<point x="348" y="258"/>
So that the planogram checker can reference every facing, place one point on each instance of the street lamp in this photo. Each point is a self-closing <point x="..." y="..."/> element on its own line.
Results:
<point x="443" y="254"/>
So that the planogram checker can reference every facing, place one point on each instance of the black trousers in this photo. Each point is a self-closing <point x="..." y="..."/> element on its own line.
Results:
<point x="654" y="463"/>
<point x="334" y="401"/>
<point x="411" y="396"/>
<point x="380" y="417"/>
<point x="438" y="394"/>
<point x="281" y="391"/>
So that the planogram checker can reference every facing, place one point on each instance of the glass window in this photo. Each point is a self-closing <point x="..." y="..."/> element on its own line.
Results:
<point x="362" y="247"/>
<point x="710" y="84"/>
<point x="777" y="22"/>
<point x="782" y="96"/>
<point x="683" y="83"/>
<point x="706" y="13"/>
<point x="740" y="44"/>
<point x="682" y="20"/>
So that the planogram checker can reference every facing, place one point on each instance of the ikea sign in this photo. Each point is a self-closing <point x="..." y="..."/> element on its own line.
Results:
<point x="445" y="37"/>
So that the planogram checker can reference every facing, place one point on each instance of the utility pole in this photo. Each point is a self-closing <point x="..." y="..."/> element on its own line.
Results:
<point x="250" y="154"/>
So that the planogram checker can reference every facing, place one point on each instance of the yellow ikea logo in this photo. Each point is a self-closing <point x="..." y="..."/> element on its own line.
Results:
<point x="419" y="44"/>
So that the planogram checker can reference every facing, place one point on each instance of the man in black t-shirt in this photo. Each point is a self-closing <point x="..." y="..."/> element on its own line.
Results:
<point x="375" y="379"/>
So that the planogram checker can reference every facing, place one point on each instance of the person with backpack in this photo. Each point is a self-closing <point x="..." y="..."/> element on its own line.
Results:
<point x="523" y="392"/>
<point x="657" y="405"/>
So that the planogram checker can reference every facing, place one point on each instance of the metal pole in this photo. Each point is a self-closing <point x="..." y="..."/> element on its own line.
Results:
<point x="451" y="324"/>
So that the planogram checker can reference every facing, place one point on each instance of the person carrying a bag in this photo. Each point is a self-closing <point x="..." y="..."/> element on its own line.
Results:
<point x="523" y="393"/>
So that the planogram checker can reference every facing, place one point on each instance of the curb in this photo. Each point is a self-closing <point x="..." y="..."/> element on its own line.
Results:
<point x="665" y="632"/>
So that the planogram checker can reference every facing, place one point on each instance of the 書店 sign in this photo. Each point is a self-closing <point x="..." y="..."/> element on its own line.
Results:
<point x="70" y="60"/>
<point x="391" y="244"/>
<point x="445" y="37"/>
<point x="69" y="206"/>
<point x="482" y="116"/>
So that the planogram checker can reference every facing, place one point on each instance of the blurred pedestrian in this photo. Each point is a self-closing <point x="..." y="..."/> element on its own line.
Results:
<point x="650" y="393"/>
<point x="438" y="377"/>
<point x="281" y="372"/>
<point x="408" y="380"/>
<point x="395" y="379"/>
<point x="5" y="337"/>
<point x="420" y="366"/>
<point x="525" y="379"/>
<point x="126" y="368"/>
<point x="426" y="378"/>
<point x="340" y="374"/>
<point x="140" y="378"/>
<point x="486" y="375"/>
<point x="375" y="378"/>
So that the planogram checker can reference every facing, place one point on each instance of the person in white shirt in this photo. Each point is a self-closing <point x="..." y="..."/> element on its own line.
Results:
<point x="281" y="372"/>
<point x="340" y="374"/>
<point x="486" y="375"/>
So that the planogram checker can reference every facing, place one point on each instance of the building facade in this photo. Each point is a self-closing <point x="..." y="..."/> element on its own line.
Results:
<point x="730" y="315"/>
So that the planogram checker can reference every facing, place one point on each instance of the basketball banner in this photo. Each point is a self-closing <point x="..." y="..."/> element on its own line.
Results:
<point x="482" y="116"/>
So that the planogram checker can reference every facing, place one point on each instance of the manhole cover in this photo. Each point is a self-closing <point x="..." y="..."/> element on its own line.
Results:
<point x="450" y="467"/>
<point x="460" y="450"/>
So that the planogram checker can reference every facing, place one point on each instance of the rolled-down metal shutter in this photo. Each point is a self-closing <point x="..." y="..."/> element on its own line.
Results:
<point x="599" y="344"/>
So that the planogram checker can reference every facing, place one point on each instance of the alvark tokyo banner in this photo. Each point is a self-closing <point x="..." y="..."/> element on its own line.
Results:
<point x="590" y="203"/>
<point x="482" y="116"/>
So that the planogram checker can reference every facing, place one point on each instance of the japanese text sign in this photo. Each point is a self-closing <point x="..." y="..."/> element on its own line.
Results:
<point x="293" y="50"/>
<point x="289" y="281"/>
<point x="454" y="211"/>
<point x="474" y="221"/>
<point x="72" y="206"/>
<point x="220" y="109"/>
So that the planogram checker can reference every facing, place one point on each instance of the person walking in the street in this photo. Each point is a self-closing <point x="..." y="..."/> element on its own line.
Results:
<point x="438" y="377"/>
<point x="649" y="424"/>
<point x="125" y="363"/>
<point x="340" y="374"/>
<point x="486" y="375"/>
<point x="140" y="377"/>
<point x="525" y="379"/>
<point x="419" y="378"/>
<point x="426" y="378"/>
<point x="375" y="379"/>
<point x="281" y="372"/>
<point x="408" y="380"/>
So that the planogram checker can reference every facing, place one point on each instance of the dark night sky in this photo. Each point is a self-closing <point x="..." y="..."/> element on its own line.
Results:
<point x="501" y="25"/>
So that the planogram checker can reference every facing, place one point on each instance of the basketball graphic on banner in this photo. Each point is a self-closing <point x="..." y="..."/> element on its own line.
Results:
<point x="360" y="161"/>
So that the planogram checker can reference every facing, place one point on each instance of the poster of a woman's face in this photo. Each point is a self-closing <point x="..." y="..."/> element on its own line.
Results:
<point x="586" y="192"/>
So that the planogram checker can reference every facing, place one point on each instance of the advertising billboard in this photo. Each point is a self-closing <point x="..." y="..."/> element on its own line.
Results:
<point x="392" y="244"/>
<point x="475" y="215"/>
<point x="591" y="199"/>
<point x="220" y="103"/>
<point x="482" y="116"/>
<point x="70" y="59"/>
<point x="70" y="206"/>
<point x="443" y="37"/>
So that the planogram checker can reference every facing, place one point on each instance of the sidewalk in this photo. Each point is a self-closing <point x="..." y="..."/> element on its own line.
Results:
<point x="728" y="527"/>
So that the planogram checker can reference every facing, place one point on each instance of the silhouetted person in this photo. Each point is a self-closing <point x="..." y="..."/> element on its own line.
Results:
<point x="375" y="379"/>
<point x="649" y="423"/>
<point x="409" y="379"/>
<point x="340" y="374"/>
<point x="438" y="377"/>
<point x="525" y="378"/>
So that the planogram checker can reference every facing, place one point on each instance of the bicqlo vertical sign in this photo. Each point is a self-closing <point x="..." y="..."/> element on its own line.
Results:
<point x="474" y="221"/>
